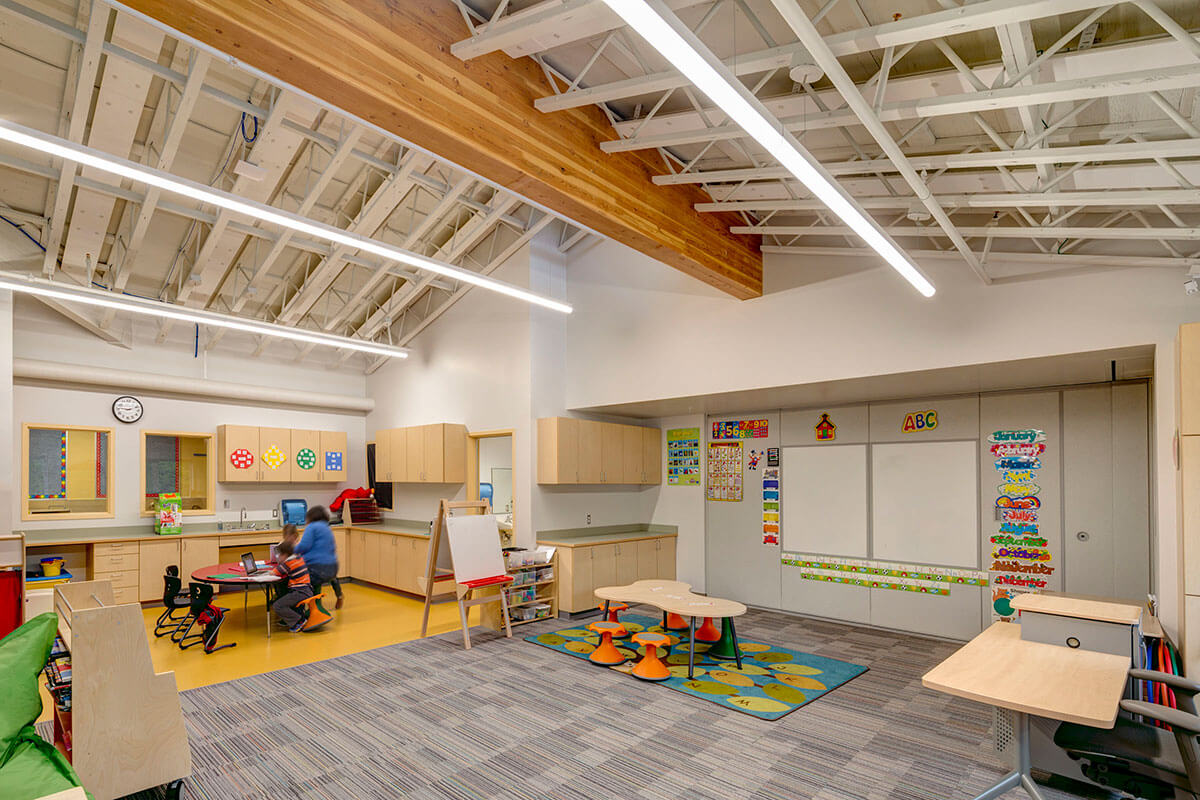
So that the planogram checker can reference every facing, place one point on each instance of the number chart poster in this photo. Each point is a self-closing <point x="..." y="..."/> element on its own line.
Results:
<point x="740" y="429"/>
<point x="725" y="471"/>
<point x="1020" y="558"/>
<point x="683" y="457"/>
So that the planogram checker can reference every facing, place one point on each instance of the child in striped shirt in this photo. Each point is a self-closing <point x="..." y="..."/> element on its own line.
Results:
<point x="291" y="568"/>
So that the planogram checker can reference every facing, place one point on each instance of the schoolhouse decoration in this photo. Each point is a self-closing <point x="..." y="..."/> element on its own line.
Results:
<point x="273" y="457"/>
<point x="825" y="430"/>
<point x="306" y="459"/>
<point x="241" y="458"/>
<point x="917" y="421"/>
<point x="333" y="461"/>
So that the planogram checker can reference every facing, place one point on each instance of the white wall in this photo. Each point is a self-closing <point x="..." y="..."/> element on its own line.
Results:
<point x="8" y="485"/>
<point x="39" y="333"/>
<point x="642" y="331"/>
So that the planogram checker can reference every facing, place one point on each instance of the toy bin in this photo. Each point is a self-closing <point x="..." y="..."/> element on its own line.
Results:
<point x="52" y="566"/>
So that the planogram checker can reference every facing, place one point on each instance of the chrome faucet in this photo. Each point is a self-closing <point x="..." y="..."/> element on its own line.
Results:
<point x="242" y="518"/>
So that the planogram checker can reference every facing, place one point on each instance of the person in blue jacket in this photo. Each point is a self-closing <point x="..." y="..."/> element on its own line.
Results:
<point x="319" y="551"/>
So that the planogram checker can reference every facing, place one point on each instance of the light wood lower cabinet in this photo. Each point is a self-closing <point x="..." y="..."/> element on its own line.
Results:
<point x="386" y="559"/>
<point x="581" y="570"/>
<point x="195" y="553"/>
<point x="153" y="559"/>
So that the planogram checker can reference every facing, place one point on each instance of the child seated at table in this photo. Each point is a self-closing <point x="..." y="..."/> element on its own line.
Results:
<point x="291" y="568"/>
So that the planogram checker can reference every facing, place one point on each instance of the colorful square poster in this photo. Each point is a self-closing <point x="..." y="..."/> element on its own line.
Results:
<point x="683" y="457"/>
<point x="725" y="471"/>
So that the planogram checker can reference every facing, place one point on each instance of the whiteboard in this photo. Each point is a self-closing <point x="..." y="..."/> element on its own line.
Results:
<point x="825" y="500"/>
<point x="475" y="547"/>
<point x="925" y="503"/>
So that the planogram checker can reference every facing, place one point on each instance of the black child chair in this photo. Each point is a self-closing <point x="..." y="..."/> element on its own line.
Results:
<point x="174" y="600"/>
<point x="201" y="612"/>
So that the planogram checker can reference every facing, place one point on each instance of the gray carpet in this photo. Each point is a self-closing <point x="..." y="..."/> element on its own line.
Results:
<point x="427" y="720"/>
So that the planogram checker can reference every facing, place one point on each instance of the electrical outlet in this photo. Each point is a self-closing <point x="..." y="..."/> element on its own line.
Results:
<point x="589" y="519"/>
<point x="274" y="512"/>
<point x="226" y="502"/>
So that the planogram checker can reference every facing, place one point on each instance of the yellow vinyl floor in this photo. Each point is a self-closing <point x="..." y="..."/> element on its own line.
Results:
<point x="371" y="617"/>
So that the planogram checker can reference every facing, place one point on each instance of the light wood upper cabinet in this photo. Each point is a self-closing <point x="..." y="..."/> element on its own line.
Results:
<point x="1189" y="379"/>
<point x="434" y="453"/>
<point x="234" y="442"/>
<point x="590" y="436"/>
<point x="631" y="454"/>
<point x="247" y="454"/>
<point x="651" y="455"/>
<point x="306" y="456"/>
<point x="333" y="456"/>
<point x="574" y="451"/>
<point x="558" y="450"/>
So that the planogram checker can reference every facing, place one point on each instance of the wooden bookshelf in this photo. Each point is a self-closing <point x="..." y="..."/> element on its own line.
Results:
<point x="124" y="732"/>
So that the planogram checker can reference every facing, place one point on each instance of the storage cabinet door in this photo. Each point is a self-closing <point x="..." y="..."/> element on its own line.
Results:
<point x="631" y="454"/>
<point x="415" y="442"/>
<point x="306" y="460"/>
<point x="383" y="455"/>
<point x="604" y="567"/>
<point x="154" y="556"/>
<point x="399" y="467"/>
<point x="333" y="457"/>
<point x="434" y="469"/>
<point x="647" y="559"/>
<point x="389" y="560"/>
<point x="454" y="453"/>
<point x="611" y="452"/>
<point x="568" y="450"/>
<point x="358" y="555"/>
<point x="374" y="555"/>
<point x="341" y="540"/>
<point x="666" y="558"/>
<point x="582" y="580"/>
<point x="197" y="553"/>
<point x="627" y="563"/>
<point x="589" y="451"/>
<point x="274" y="455"/>
<point x="418" y="555"/>
<point x="233" y="439"/>
<point x="651" y="455"/>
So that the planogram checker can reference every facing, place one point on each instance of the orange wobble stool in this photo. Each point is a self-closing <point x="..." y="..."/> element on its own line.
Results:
<point x="674" y="622"/>
<point x="708" y="631"/>
<point x="650" y="668"/>
<point x="613" y="608"/>
<point x="317" y="615"/>
<point x="606" y="653"/>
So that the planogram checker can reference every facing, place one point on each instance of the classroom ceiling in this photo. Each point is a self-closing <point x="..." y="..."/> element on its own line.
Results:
<point x="122" y="85"/>
<point x="1053" y="134"/>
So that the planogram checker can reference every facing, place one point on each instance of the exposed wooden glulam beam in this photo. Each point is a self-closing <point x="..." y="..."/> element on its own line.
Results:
<point x="390" y="64"/>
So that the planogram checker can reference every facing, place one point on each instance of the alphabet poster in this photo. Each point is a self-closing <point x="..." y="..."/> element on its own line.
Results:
<point x="725" y="471"/>
<point x="683" y="457"/>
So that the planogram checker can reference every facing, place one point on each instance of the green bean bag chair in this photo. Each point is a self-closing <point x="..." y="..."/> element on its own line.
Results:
<point x="30" y="767"/>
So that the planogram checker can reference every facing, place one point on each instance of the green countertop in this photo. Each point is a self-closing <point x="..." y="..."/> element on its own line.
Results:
<point x="124" y="533"/>
<point x="583" y="537"/>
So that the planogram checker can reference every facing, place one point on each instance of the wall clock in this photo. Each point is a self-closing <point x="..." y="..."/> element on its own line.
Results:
<point x="127" y="409"/>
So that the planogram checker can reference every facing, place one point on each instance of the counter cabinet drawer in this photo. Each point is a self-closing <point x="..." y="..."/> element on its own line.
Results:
<point x="119" y="562"/>
<point x="114" y="548"/>
<point x="120" y="580"/>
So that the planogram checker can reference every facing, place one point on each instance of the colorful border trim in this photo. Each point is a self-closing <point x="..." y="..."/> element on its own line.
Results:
<point x="870" y="584"/>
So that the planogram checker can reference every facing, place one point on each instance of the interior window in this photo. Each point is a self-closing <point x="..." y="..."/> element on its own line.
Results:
<point x="67" y="472"/>
<point x="178" y="463"/>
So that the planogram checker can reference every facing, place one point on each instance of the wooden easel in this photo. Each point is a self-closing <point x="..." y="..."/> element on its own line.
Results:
<point x="463" y="588"/>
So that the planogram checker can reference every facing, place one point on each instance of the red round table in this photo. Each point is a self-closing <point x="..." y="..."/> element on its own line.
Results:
<point x="235" y="575"/>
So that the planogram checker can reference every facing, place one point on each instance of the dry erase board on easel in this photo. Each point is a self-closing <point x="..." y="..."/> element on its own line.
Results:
<point x="925" y="503"/>
<point x="475" y="547"/>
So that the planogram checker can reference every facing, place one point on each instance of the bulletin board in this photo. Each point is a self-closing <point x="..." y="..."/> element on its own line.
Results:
<point x="825" y="493"/>
<point x="925" y="502"/>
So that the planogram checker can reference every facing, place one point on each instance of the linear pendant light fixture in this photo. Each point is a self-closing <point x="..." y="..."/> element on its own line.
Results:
<point x="657" y="24"/>
<point x="58" y="290"/>
<point x="61" y="148"/>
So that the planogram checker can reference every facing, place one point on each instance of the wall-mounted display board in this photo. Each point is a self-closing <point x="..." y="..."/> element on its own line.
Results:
<point x="825" y="493"/>
<point x="925" y="503"/>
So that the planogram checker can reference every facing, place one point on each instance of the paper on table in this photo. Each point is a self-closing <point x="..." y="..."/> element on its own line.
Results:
<point x="263" y="578"/>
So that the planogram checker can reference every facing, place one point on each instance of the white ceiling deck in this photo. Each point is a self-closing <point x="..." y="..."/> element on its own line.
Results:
<point x="110" y="80"/>
<point x="1055" y="134"/>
